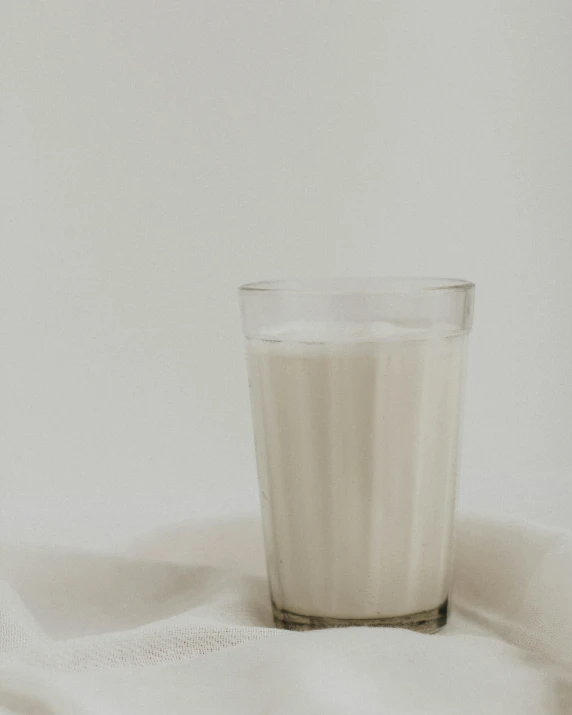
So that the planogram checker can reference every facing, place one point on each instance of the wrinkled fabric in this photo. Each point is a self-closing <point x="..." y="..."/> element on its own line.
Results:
<point x="181" y="623"/>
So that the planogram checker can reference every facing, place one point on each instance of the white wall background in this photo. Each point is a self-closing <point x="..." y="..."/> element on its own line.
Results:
<point x="157" y="154"/>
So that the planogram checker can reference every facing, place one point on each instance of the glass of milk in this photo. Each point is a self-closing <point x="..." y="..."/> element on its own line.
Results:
<point x="356" y="388"/>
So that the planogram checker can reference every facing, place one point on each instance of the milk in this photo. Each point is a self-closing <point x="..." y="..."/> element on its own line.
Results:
<point x="356" y="431"/>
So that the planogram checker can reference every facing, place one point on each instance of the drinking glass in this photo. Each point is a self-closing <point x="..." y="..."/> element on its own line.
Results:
<point x="356" y="388"/>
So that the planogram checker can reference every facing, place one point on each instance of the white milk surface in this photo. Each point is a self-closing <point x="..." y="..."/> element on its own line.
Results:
<point x="357" y="430"/>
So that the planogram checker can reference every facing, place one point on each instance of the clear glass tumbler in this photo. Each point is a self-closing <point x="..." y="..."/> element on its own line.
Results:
<point x="356" y="388"/>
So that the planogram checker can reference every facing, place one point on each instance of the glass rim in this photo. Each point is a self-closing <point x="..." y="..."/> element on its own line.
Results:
<point x="367" y="285"/>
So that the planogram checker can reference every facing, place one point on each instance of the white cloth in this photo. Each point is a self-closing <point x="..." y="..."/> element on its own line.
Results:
<point x="87" y="634"/>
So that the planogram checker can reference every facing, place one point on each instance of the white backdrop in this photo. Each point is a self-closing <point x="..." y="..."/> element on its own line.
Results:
<point x="157" y="154"/>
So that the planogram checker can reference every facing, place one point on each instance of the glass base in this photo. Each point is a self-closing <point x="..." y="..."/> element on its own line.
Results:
<point x="422" y="622"/>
